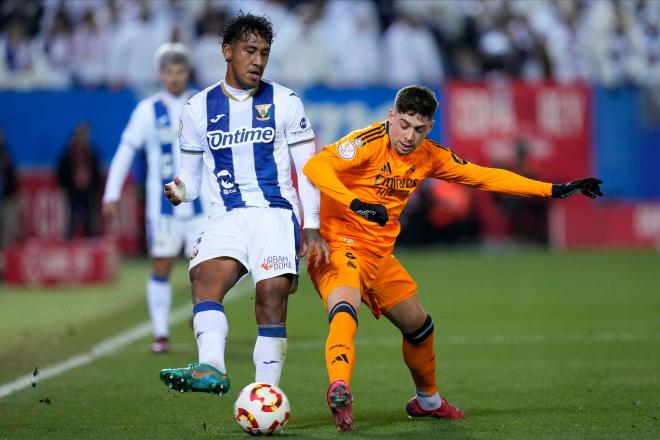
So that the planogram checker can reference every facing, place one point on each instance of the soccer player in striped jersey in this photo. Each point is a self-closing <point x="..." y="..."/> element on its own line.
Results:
<point x="242" y="133"/>
<point x="152" y="127"/>
<point x="366" y="179"/>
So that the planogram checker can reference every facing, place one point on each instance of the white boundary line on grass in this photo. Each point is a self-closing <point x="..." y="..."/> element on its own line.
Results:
<point x="510" y="339"/>
<point x="109" y="346"/>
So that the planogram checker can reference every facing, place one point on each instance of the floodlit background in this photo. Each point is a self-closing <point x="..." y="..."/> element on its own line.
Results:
<point x="547" y="311"/>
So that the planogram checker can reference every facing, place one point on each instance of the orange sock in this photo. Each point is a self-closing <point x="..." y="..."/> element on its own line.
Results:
<point x="340" y="345"/>
<point x="419" y="354"/>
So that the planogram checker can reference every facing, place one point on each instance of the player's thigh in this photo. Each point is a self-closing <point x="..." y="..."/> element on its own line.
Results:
<point x="274" y="243"/>
<point x="391" y="286"/>
<point x="192" y="229"/>
<point x="340" y="276"/>
<point x="223" y="235"/>
<point x="164" y="236"/>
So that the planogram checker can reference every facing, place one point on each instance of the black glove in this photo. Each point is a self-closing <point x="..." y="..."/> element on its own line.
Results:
<point x="590" y="187"/>
<point x="374" y="212"/>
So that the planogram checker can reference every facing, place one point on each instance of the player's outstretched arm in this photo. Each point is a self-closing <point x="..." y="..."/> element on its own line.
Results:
<point x="321" y="172"/>
<point x="590" y="187"/>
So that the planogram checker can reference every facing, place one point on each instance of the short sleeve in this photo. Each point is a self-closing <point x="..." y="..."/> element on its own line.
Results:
<point x="137" y="130"/>
<point x="188" y="130"/>
<point x="298" y="128"/>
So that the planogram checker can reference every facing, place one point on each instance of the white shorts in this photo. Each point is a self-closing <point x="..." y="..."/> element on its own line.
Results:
<point x="166" y="235"/>
<point x="265" y="241"/>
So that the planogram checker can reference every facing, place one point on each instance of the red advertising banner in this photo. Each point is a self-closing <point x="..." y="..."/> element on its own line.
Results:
<point x="542" y="130"/>
<point x="578" y="222"/>
<point x="43" y="212"/>
<point x="37" y="263"/>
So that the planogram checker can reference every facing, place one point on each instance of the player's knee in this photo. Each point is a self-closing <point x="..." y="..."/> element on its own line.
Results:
<point x="343" y="307"/>
<point x="422" y="332"/>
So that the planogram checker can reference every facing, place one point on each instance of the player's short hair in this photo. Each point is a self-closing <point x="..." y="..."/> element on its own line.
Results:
<point x="172" y="53"/>
<point x="242" y="26"/>
<point x="416" y="99"/>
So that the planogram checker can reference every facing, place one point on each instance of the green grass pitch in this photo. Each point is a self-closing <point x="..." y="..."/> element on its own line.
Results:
<point x="531" y="345"/>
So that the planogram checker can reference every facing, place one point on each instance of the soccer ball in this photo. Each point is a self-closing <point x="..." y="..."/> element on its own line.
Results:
<point x="261" y="408"/>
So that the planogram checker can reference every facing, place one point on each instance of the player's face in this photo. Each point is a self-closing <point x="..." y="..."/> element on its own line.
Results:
<point x="175" y="78"/>
<point x="407" y="131"/>
<point x="247" y="61"/>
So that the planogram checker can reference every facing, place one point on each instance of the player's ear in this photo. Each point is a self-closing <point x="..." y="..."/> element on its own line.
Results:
<point x="227" y="52"/>
<point x="390" y="116"/>
<point x="431" y="124"/>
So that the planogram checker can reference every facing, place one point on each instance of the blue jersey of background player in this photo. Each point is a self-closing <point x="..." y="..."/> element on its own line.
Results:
<point x="152" y="128"/>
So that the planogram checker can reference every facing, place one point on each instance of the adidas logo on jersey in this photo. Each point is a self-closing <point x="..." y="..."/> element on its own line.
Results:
<point x="386" y="168"/>
<point x="221" y="139"/>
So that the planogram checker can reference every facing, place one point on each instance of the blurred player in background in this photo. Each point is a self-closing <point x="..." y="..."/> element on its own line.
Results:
<point x="365" y="181"/>
<point x="242" y="133"/>
<point x="152" y="127"/>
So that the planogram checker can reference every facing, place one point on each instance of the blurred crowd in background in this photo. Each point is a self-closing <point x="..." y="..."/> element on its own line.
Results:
<point x="59" y="44"/>
<point x="108" y="45"/>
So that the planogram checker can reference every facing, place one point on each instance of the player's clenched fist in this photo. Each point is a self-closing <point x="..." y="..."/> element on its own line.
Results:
<point x="175" y="191"/>
<point x="374" y="212"/>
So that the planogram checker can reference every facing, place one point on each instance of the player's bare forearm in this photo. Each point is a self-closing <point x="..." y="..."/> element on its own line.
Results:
<point x="315" y="246"/>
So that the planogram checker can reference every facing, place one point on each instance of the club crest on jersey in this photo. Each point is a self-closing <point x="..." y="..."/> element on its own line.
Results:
<point x="346" y="150"/>
<point x="263" y="111"/>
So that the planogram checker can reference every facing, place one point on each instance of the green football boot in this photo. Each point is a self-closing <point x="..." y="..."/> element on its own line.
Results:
<point x="196" y="378"/>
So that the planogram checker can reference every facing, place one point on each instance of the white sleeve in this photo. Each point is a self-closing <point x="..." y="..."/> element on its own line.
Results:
<point x="137" y="130"/>
<point x="121" y="163"/>
<point x="192" y="161"/>
<point x="189" y="138"/>
<point x="298" y="128"/>
<point x="190" y="173"/>
<point x="309" y="194"/>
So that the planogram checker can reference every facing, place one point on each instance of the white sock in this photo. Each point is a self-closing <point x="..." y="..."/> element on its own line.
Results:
<point x="429" y="402"/>
<point x="211" y="328"/>
<point x="269" y="353"/>
<point x="159" y="300"/>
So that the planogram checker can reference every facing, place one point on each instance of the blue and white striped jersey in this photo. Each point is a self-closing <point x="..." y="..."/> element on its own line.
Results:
<point x="152" y="127"/>
<point x="245" y="144"/>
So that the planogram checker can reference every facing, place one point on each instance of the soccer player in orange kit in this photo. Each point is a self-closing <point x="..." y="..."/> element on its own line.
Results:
<point x="365" y="180"/>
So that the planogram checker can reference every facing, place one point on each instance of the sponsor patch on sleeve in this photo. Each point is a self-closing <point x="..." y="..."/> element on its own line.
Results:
<point x="346" y="150"/>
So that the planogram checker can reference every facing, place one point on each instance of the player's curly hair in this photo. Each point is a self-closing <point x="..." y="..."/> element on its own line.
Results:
<point x="242" y="26"/>
<point x="416" y="99"/>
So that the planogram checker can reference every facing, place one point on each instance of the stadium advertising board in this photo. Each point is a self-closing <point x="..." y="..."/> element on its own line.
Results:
<point x="487" y="122"/>
<point x="579" y="223"/>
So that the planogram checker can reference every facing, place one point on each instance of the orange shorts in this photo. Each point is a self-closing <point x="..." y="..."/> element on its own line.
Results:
<point x="383" y="282"/>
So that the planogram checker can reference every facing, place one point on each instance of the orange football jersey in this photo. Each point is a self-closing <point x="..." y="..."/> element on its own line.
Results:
<point x="364" y="165"/>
